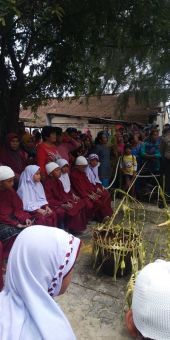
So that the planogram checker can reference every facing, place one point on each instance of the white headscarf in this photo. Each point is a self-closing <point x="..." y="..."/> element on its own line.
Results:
<point x="92" y="172"/>
<point x="39" y="260"/>
<point x="31" y="193"/>
<point x="64" y="178"/>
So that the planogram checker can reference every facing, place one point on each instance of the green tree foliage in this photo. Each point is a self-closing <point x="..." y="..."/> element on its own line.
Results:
<point x="51" y="48"/>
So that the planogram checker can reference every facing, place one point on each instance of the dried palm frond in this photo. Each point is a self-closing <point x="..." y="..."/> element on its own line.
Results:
<point x="117" y="240"/>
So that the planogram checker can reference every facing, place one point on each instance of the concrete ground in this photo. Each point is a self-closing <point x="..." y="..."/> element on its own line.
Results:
<point x="94" y="304"/>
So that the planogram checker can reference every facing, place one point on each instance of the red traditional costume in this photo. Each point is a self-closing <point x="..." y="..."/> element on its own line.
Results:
<point x="93" y="177"/>
<point x="11" y="208"/>
<point x="11" y="214"/>
<point x="73" y="217"/>
<point x="97" y="208"/>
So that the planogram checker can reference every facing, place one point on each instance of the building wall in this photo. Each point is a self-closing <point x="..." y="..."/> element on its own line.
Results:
<point x="80" y="124"/>
<point x="94" y="107"/>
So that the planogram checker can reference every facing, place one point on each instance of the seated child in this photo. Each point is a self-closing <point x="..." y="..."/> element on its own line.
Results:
<point x="32" y="194"/>
<point x="75" y="200"/>
<point x="93" y="177"/>
<point x="150" y="313"/>
<point x="40" y="267"/>
<point x="95" y="205"/>
<point x="60" y="201"/>
<point x="12" y="216"/>
<point x="128" y="166"/>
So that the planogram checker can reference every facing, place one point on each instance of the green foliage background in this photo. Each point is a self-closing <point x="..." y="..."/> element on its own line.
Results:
<point x="53" y="48"/>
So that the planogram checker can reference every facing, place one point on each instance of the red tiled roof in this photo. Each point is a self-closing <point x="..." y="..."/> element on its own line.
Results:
<point x="104" y="107"/>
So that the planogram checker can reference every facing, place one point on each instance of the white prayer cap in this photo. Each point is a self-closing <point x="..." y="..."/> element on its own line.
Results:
<point x="93" y="156"/>
<point x="62" y="162"/>
<point x="151" y="301"/>
<point x="6" y="172"/>
<point x="51" y="167"/>
<point x="81" y="160"/>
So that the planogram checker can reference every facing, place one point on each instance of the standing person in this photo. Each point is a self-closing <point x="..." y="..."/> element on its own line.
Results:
<point x="47" y="151"/>
<point x="87" y="145"/>
<point x="69" y="212"/>
<point x="85" y="148"/>
<point x="65" y="144"/>
<point x="36" y="134"/>
<point x="13" y="156"/>
<point x="120" y="144"/>
<point x="27" y="144"/>
<point x="40" y="267"/>
<point x="12" y="217"/>
<point x="128" y="166"/>
<point x="136" y="145"/>
<point x="72" y="132"/>
<point x="126" y="138"/>
<point x="150" y="152"/>
<point x="165" y="153"/>
<point x="103" y="151"/>
<point x="32" y="194"/>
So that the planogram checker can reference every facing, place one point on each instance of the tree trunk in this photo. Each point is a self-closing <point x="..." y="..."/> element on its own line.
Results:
<point x="10" y="108"/>
<point x="12" y="118"/>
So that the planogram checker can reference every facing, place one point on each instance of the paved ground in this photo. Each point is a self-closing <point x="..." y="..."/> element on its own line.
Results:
<point x="94" y="304"/>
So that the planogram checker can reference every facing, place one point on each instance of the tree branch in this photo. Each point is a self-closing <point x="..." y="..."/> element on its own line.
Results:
<point x="14" y="61"/>
<point x="28" y="49"/>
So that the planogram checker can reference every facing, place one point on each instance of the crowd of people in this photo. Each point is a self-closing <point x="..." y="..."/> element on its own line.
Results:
<point x="47" y="180"/>
<point x="61" y="178"/>
<point x="53" y="180"/>
<point x="136" y="147"/>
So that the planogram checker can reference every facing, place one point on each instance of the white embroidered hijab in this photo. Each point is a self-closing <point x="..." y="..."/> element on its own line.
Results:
<point x="64" y="178"/>
<point x="92" y="172"/>
<point x="39" y="260"/>
<point x="31" y="193"/>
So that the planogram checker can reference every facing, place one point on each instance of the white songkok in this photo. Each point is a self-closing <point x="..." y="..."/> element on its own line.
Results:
<point x="81" y="160"/>
<point x="151" y="301"/>
<point x="62" y="162"/>
<point x="6" y="173"/>
<point x="51" y="167"/>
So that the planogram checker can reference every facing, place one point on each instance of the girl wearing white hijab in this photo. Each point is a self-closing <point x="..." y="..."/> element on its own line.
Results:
<point x="32" y="194"/>
<point x="93" y="176"/>
<point x="92" y="169"/>
<point x="27" y="309"/>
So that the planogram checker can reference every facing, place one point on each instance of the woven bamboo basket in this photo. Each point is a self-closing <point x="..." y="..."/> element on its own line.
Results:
<point x="115" y="251"/>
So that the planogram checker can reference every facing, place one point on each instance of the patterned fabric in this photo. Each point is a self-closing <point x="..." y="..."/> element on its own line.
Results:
<point x="7" y="231"/>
